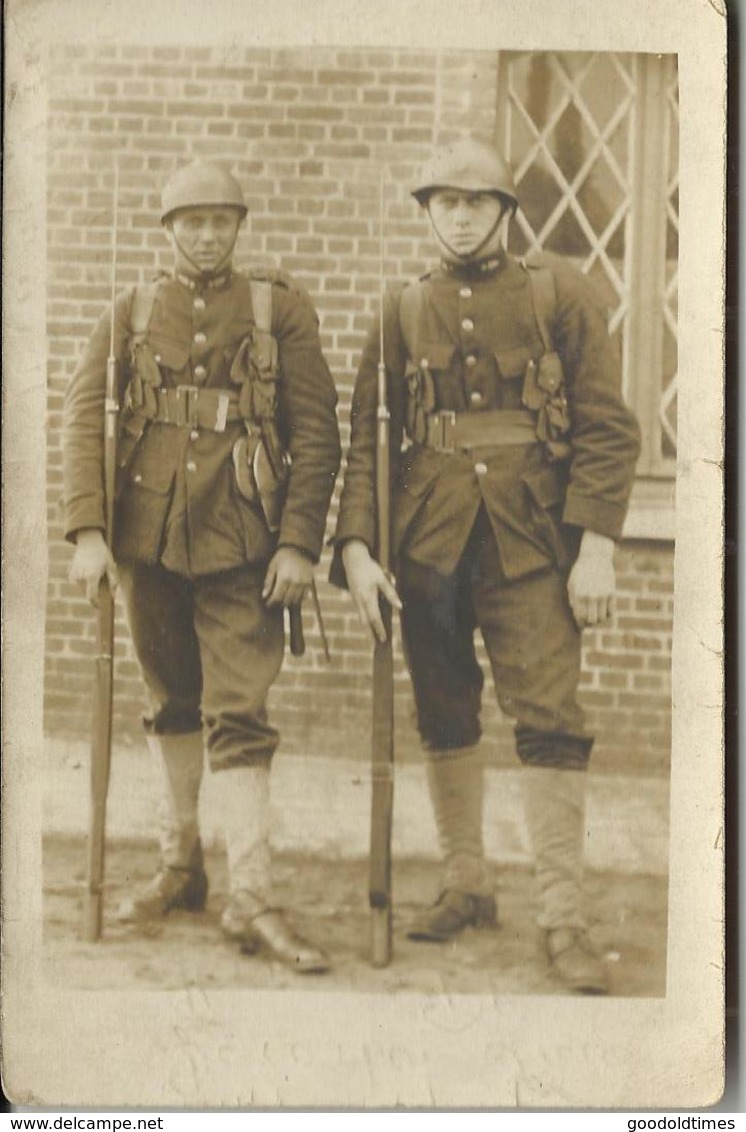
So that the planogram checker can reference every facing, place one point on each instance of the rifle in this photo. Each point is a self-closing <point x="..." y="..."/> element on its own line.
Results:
<point x="382" y="760"/>
<point x="104" y="681"/>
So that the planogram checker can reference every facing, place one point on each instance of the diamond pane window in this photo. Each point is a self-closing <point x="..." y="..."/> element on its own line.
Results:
<point x="598" y="185"/>
<point x="669" y="374"/>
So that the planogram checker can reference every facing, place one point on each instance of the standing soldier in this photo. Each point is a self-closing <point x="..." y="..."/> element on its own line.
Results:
<point x="228" y="453"/>
<point x="506" y="504"/>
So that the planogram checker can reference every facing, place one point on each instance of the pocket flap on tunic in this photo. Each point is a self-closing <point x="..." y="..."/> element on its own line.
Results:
<point x="512" y="363"/>
<point x="419" y="471"/>
<point x="151" y="468"/>
<point x="169" y="352"/>
<point x="439" y="355"/>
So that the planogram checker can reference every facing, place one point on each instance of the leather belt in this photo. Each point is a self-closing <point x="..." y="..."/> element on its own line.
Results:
<point x="450" y="432"/>
<point x="189" y="406"/>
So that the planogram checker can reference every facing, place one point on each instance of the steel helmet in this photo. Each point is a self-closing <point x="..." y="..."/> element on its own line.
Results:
<point x="469" y="165"/>
<point x="199" y="184"/>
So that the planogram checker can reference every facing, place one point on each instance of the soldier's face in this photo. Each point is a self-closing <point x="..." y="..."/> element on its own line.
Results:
<point x="203" y="238"/>
<point x="463" y="221"/>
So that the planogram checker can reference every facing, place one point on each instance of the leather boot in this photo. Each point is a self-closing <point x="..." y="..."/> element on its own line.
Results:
<point x="576" y="961"/>
<point x="555" y="813"/>
<point x="181" y="881"/>
<point x="250" y="918"/>
<point x="259" y="929"/>
<point x="456" y="783"/>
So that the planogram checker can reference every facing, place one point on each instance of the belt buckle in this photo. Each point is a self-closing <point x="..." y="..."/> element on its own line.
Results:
<point x="186" y="405"/>
<point x="447" y="430"/>
<point x="221" y="412"/>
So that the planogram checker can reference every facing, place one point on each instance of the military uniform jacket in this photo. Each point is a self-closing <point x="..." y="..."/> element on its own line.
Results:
<point x="478" y="331"/>
<point x="176" y="498"/>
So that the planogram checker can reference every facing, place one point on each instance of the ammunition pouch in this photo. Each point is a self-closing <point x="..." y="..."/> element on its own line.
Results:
<point x="257" y="480"/>
<point x="243" y="465"/>
<point x="544" y="394"/>
<point x="140" y="401"/>
<point x="420" y="403"/>
<point x="260" y="460"/>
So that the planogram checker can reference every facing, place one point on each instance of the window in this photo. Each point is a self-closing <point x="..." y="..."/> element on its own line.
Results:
<point x="593" y="139"/>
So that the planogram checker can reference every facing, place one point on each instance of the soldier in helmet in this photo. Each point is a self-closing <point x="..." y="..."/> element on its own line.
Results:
<point x="227" y="457"/>
<point x="509" y="491"/>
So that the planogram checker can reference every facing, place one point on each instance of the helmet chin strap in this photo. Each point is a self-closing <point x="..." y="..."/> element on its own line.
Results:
<point x="209" y="272"/>
<point x="464" y="257"/>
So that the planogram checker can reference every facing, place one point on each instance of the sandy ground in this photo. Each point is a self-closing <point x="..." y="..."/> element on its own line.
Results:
<point x="329" y="904"/>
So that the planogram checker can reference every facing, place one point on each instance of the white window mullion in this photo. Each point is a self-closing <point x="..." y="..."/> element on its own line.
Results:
<point x="647" y="254"/>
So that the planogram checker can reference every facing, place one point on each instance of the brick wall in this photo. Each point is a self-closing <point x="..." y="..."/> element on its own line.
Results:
<point x="307" y="133"/>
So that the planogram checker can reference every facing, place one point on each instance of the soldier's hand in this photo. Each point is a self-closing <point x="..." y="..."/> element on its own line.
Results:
<point x="289" y="575"/>
<point x="592" y="581"/>
<point x="366" y="580"/>
<point x="92" y="561"/>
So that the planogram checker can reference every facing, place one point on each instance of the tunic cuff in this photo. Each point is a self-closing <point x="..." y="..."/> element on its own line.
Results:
<point x="302" y="536"/>
<point x="83" y="514"/>
<point x="355" y="528"/>
<point x="599" y="515"/>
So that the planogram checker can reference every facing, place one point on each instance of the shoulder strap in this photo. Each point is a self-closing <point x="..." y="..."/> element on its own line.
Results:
<point x="261" y="302"/>
<point x="264" y="348"/>
<point x="544" y="298"/>
<point x="411" y="302"/>
<point x="143" y="301"/>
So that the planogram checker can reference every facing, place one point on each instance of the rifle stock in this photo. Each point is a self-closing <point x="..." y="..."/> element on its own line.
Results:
<point x="104" y="681"/>
<point x="382" y="796"/>
<point x="100" y="763"/>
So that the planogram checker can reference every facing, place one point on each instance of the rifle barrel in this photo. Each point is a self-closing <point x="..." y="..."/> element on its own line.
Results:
<point x="382" y="760"/>
<point x="103" y="693"/>
<point x="114" y="250"/>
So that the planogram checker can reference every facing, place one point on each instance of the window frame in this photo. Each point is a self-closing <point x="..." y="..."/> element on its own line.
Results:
<point x="652" y="509"/>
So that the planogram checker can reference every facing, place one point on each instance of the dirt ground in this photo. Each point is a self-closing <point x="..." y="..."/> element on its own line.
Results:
<point x="328" y="901"/>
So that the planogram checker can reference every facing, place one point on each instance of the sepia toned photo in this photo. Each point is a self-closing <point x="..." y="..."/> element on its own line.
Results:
<point x="362" y="460"/>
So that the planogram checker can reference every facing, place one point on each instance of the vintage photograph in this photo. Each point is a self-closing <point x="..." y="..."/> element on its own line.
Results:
<point x="519" y="213"/>
<point x="371" y="496"/>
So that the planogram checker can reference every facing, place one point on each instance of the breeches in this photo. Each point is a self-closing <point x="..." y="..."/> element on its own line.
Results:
<point x="209" y="649"/>
<point x="531" y="639"/>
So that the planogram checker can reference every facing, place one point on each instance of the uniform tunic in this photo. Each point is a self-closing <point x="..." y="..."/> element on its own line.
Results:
<point x="486" y="537"/>
<point x="192" y="550"/>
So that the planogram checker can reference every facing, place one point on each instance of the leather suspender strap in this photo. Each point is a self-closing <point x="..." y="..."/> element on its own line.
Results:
<point x="261" y="302"/>
<point x="143" y="301"/>
<point x="264" y="346"/>
<point x="544" y="299"/>
<point x="411" y="302"/>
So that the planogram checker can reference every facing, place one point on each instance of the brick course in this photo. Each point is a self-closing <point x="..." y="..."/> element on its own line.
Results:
<point x="306" y="133"/>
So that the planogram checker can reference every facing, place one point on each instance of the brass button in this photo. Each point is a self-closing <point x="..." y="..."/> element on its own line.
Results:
<point x="471" y="360"/>
<point x="476" y="397"/>
<point x="467" y="324"/>
<point x="424" y="363"/>
<point x="191" y="466"/>
<point x="137" y="478"/>
<point x="466" y="292"/>
<point x="200" y="338"/>
<point x="200" y="372"/>
<point x="194" y="434"/>
<point x="158" y="358"/>
<point x="199" y="303"/>
<point x="480" y="469"/>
